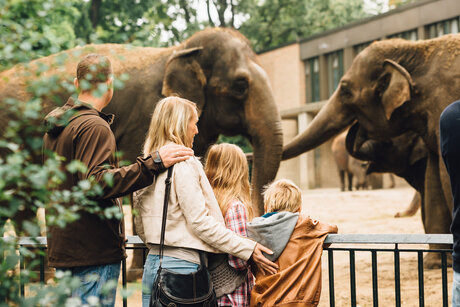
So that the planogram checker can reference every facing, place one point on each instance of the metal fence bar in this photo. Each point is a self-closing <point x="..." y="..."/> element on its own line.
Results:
<point x="330" y="257"/>
<point x="375" y="290"/>
<point x="397" y="278"/>
<point x="352" y="278"/>
<point x="42" y="265"/>
<point x="421" y="292"/>
<point x="21" y="267"/>
<point x="445" y="296"/>
<point x="123" y="281"/>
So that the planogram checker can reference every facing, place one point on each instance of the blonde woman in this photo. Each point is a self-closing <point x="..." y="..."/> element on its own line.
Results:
<point x="194" y="220"/>
<point x="227" y="170"/>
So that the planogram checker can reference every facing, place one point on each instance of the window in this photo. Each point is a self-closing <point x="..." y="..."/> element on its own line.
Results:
<point x="334" y="70"/>
<point x="312" y="74"/>
<point x="411" y="35"/>
<point x="443" y="27"/>
<point x="358" y="48"/>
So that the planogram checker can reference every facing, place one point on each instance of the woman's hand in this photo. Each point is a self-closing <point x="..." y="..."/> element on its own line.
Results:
<point x="173" y="153"/>
<point x="265" y="265"/>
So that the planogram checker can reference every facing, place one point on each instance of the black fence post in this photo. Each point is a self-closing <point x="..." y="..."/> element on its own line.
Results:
<point x="397" y="278"/>
<point x="352" y="278"/>
<point x="330" y="258"/>
<point x="421" y="291"/>
<point x="375" y="289"/>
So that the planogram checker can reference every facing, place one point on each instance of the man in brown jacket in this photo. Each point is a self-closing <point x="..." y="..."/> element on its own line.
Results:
<point x="94" y="245"/>
<point x="297" y="244"/>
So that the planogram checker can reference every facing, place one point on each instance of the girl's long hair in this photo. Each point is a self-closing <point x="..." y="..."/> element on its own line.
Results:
<point x="169" y="123"/>
<point x="227" y="170"/>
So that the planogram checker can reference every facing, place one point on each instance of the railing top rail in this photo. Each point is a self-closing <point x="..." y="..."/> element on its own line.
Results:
<point x="390" y="238"/>
<point x="333" y="238"/>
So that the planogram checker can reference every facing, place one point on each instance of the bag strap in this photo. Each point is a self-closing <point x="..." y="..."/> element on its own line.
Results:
<point x="165" y="212"/>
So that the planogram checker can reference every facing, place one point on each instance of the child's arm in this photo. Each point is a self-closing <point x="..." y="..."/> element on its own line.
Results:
<point x="235" y="220"/>
<point x="330" y="229"/>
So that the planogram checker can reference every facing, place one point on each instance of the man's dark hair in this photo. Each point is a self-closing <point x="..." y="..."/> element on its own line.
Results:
<point x="94" y="68"/>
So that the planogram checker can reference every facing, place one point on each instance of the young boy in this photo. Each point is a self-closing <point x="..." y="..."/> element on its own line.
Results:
<point x="297" y="244"/>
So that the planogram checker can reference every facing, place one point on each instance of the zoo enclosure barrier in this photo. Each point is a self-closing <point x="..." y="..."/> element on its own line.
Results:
<point x="390" y="241"/>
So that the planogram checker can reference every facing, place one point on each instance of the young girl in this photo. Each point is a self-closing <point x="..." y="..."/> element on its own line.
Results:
<point x="227" y="170"/>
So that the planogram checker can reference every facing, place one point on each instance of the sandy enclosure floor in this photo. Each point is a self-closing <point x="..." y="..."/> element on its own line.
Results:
<point x="362" y="212"/>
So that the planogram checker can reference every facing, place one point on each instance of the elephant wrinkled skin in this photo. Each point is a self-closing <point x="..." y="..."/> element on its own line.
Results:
<point x="394" y="86"/>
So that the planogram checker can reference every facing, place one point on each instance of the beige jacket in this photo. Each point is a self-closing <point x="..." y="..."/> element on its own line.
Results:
<point x="194" y="217"/>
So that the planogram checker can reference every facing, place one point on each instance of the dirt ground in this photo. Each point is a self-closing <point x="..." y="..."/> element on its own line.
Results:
<point x="362" y="212"/>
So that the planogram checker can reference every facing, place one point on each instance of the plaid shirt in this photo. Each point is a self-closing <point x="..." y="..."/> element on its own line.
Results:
<point x="236" y="219"/>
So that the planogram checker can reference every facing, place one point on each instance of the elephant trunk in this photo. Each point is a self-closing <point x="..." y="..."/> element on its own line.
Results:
<point x="359" y="146"/>
<point x="331" y="120"/>
<point x="264" y="127"/>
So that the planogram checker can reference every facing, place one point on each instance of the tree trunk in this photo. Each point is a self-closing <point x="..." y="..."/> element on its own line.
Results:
<point x="94" y="12"/>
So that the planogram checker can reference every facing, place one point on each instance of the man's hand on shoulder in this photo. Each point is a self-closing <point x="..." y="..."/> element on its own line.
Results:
<point x="172" y="153"/>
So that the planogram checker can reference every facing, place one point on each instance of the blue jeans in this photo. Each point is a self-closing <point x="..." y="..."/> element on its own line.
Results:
<point x="93" y="282"/>
<point x="150" y="272"/>
<point x="456" y="290"/>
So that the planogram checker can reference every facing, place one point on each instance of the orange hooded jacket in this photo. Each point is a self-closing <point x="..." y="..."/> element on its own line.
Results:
<point x="298" y="281"/>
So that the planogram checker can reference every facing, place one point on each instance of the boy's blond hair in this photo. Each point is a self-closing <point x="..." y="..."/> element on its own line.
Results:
<point x="282" y="195"/>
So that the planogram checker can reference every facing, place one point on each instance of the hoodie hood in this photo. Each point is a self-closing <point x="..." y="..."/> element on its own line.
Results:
<point x="273" y="231"/>
<point x="60" y="117"/>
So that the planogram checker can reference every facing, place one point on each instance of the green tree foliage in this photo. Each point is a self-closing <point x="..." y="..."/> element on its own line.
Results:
<point x="34" y="28"/>
<point x="276" y="22"/>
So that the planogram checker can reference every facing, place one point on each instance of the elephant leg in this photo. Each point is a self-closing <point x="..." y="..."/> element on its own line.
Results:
<point x="437" y="216"/>
<point x="350" y="181"/>
<point x="392" y="180"/>
<point x="413" y="206"/>
<point x="342" y="180"/>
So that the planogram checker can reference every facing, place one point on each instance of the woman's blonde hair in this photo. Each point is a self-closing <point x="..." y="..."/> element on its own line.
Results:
<point x="169" y="123"/>
<point x="228" y="172"/>
<point x="282" y="195"/>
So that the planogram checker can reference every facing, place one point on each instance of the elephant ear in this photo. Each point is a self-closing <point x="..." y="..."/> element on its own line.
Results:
<point x="184" y="77"/>
<point x="395" y="87"/>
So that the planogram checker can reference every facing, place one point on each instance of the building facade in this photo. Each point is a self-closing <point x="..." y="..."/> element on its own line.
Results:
<point x="306" y="73"/>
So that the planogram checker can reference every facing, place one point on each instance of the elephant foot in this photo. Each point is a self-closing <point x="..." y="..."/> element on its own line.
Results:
<point x="134" y="274"/>
<point x="433" y="261"/>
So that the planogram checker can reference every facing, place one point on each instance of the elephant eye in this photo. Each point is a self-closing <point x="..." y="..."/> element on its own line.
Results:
<point x="345" y="92"/>
<point x="240" y="87"/>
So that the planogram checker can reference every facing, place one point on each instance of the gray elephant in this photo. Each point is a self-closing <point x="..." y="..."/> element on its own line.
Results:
<point x="404" y="155"/>
<point x="394" y="86"/>
<point x="347" y="166"/>
<point x="215" y="68"/>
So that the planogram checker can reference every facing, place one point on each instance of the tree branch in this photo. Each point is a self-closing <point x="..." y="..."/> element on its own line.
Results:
<point x="232" y="7"/>
<point x="183" y="5"/>
<point x="221" y="11"/>
<point x="208" y="3"/>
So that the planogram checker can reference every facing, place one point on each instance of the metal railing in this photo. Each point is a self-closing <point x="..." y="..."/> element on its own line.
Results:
<point x="391" y="242"/>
